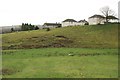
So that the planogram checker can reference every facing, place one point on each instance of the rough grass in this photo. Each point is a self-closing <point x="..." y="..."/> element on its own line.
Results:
<point x="56" y="63"/>
<point x="98" y="36"/>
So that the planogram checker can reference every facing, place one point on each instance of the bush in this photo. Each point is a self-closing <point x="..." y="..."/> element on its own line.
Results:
<point x="12" y="29"/>
<point x="59" y="27"/>
<point x="47" y="29"/>
<point x="87" y="23"/>
<point x="36" y="28"/>
<point x="98" y="24"/>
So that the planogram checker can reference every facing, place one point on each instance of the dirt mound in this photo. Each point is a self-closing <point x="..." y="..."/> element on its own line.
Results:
<point x="59" y="36"/>
<point x="56" y="41"/>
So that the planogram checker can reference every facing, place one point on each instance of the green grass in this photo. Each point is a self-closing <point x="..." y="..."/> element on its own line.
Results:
<point x="44" y="54"/>
<point x="55" y="63"/>
<point x="98" y="36"/>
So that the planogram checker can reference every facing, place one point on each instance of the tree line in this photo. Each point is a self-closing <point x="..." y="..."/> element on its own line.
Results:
<point x="26" y="27"/>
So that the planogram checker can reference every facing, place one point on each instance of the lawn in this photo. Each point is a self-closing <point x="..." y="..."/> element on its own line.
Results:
<point x="56" y="63"/>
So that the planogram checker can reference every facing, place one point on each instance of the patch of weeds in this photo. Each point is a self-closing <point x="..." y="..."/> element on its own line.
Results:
<point x="6" y="71"/>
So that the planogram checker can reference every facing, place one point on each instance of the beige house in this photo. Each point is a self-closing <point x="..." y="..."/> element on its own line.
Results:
<point x="113" y="19"/>
<point x="72" y="22"/>
<point x="83" y="22"/>
<point x="96" y="19"/>
<point x="51" y="25"/>
<point x="69" y="22"/>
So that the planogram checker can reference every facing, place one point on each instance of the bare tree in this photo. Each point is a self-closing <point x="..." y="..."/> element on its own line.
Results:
<point x="106" y="11"/>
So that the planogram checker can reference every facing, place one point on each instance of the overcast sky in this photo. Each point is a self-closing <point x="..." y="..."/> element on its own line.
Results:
<point x="16" y="12"/>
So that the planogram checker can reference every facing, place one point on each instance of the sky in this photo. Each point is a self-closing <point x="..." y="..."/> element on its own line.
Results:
<point x="37" y="12"/>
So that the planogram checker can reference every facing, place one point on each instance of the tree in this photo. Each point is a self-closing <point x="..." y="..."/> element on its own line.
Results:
<point x="12" y="29"/>
<point x="26" y="27"/>
<point x="36" y="28"/>
<point x="86" y="23"/>
<point x="106" y="11"/>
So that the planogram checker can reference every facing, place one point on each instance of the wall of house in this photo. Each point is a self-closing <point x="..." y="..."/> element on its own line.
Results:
<point x="45" y="26"/>
<point x="65" y="24"/>
<point x="81" y="23"/>
<point x="94" y="21"/>
<point x="112" y="21"/>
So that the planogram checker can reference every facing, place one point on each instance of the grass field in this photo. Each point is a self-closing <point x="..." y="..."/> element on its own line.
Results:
<point x="98" y="36"/>
<point x="45" y="54"/>
<point x="56" y="63"/>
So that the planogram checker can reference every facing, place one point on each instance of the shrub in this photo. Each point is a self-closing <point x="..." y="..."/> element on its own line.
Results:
<point x="98" y="24"/>
<point x="59" y="27"/>
<point x="36" y="28"/>
<point x="47" y="29"/>
<point x="12" y="29"/>
<point x="87" y="23"/>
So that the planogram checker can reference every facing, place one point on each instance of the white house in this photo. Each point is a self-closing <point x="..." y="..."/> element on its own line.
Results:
<point x="96" y="19"/>
<point x="113" y="19"/>
<point x="51" y="25"/>
<point x="69" y="22"/>
<point x="82" y="22"/>
<point x="72" y="22"/>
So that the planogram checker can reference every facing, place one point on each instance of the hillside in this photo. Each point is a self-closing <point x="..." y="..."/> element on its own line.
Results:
<point x="98" y="36"/>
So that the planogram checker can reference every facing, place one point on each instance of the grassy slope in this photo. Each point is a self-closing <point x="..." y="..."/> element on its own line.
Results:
<point x="99" y="36"/>
<point x="55" y="63"/>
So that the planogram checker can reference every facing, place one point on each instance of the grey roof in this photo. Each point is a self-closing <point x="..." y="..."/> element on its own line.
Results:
<point x="112" y="17"/>
<point x="97" y="16"/>
<point x="69" y="20"/>
<point x="52" y="24"/>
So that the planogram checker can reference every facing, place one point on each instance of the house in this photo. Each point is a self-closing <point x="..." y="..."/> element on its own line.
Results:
<point x="69" y="22"/>
<point x="96" y="19"/>
<point x="82" y="22"/>
<point x="112" y="19"/>
<point x="51" y="25"/>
